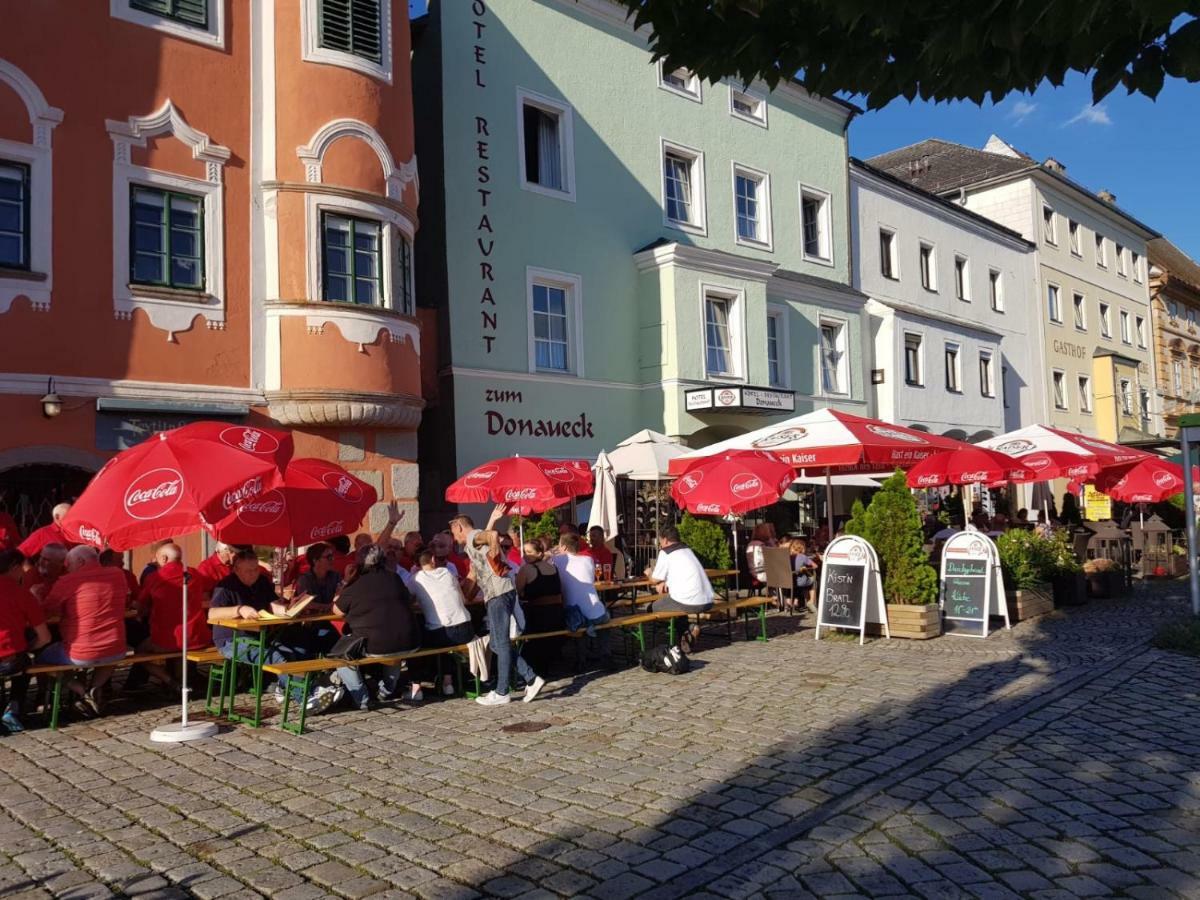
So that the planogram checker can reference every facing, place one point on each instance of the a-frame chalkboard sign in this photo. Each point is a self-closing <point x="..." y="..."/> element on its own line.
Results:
<point x="851" y="590"/>
<point x="972" y="585"/>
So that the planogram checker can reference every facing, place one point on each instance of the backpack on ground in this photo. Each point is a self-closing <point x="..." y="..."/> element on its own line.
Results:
<point x="670" y="660"/>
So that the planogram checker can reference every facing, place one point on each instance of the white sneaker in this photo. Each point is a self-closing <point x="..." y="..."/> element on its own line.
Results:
<point x="491" y="698"/>
<point x="278" y="694"/>
<point x="534" y="689"/>
<point x="447" y="688"/>
<point x="322" y="699"/>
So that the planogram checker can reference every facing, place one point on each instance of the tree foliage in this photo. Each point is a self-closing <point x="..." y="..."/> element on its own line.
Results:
<point x="892" y="525"/>
<point x="707" y="540"/>
<point x="947" y="50"/>
<point x="545" y="526"/>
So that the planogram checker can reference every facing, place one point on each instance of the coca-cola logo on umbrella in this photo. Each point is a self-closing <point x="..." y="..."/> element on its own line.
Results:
<point x="326" y="531"/>
<point x="90" y="534"/>
<point x="515" y="495"/>
<point x="250" y="440"/>
<point x="689" y="482"/>
<point x="786" y="436"/>
<point x="251" y="487"/>
<point x="261" y="511"/>
<point x="929" y="480"/>
<point x="154" y="494"/>
<point x="896" y="434"/>
<point x="481" y="476"/>
<point x="975" y="477"/>
<point x="558" y="473"/>
<point x="745" y="486"/>
<point x="1037" y="463"/>
<point x="708" y="509"/>
<point x="1015" y="447"/>
<point x="1165" y="480"/>
<point x="343" y="485"/>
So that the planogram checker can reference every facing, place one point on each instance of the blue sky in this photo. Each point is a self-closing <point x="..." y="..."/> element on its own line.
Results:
<point x="1147" y="152"/>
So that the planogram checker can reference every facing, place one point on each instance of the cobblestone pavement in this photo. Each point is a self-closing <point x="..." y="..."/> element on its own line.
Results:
<point x="1059" y="759"/>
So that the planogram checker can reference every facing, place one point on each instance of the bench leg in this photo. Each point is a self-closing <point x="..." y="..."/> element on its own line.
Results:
<point x="218" y="676"/>
<point x="56" y="701"/>
<point x="297" y="726"/>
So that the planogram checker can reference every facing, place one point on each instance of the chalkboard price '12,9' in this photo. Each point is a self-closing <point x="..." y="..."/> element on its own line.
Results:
<point x="843" y="595"/>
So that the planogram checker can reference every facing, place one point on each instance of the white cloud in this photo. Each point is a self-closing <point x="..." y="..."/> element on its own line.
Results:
<point x="1021" y="110"/>
<point x="1091" y="115"/>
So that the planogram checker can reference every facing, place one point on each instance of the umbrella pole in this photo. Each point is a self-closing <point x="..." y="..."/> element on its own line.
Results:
<point x="829" y="502"/>
<point x="737" y="562"/>
<point x="183" y="731"/>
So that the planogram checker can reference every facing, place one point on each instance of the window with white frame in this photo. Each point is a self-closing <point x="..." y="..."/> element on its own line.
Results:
<point x="1144" y="407"/>
<point x="201" y="21"/>
<point x="987" y="378"/>
<point x="1049" y="228"/>
<point x="889" y="259"/>
<point x="833" y="358"/>
<point x="1053" y="303"/>
<point x="1101" y="252"/>
<point x="914" y="374"/>
<point x="1105" y="320"/>
<point x="1126" y="329"/>
<point x="1195" y="385"/>
<point x="777" y="350"/>
<point x="996" y="289"/>
<point x="814" y="222"/>
<point x="554" y="325"/>
<point x="351" y="254"/>
<point x="1085" y="394"/>
<point x="1119" y="252"/>
<point x="679" y="81"/>
<point x="1080" y="306"/>
<point x="1004" y="386"/>
<point x="1191" y="318"/>
<point x="962" y="279"/>
<point x="1139" y="326"/>
<point x="1172" y="310"/>
<point x="1058" y="382"/>
<point x="405" y="290"/>
<point x="928" y="265"/>
<point x="1126" y="397"/>
<point x="683" y="187"/>
<point x="953" y="368"/>
<point x="166" y="240"/>
<point x="352" y="34"/>
<point x="1076" y="237"/>
<point x="15" y="209"/>
<point x="752" y="206"/>
<point x="546" y="145"/>
<point x="720" y="352"/>
<point x="747" y="106"/>
<point x="1135" y="263"/>
<point x="1177" y="375"/>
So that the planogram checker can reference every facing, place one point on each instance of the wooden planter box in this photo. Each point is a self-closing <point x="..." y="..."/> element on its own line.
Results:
<point x="1103" y="585"/>
<point x="1070" y="590"/>
<point x="1030" y="602"/>
<point x="917" y="623"/>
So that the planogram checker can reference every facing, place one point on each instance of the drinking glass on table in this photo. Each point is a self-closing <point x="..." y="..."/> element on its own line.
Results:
<point x="607" y="571"/>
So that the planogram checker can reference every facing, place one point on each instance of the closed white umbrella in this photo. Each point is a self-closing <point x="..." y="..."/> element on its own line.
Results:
<point x="645" y="456"/>
<point x="604" y="500"/>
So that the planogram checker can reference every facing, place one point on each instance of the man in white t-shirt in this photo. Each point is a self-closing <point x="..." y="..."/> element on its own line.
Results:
<point x="683" y="579"/>
<point x="447" y="621"/>
<point x="582" y="607"/>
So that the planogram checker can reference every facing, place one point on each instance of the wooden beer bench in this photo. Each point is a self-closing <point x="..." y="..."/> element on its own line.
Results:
<point x="59" y="673"/>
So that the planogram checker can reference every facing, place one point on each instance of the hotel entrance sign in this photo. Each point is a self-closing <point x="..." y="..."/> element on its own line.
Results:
<point x="740" y="399"/>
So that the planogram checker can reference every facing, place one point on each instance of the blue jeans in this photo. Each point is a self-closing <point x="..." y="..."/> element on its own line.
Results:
<point x="499" y="612"/>
<point x="352" y="680"/>
<point x="276" y="653"/>
<point x="56" y="655"/>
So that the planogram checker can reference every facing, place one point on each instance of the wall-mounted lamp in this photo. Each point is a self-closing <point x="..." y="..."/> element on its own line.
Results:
<point x="52" y="404"/>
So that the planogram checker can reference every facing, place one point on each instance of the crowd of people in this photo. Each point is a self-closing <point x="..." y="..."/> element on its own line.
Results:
<point x="63" y="603"/>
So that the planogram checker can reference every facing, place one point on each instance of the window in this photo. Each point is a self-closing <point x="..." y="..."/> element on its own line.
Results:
<point x="962" y="279"/>
<point x="744" y="105"/>
<point x="1060" y="389"/>
<point x="1120" y="254"/>
<point x="14" y="215"/>
<point x="913" y="374"/>
<point x="1052" y="300"/>
<point x="1076" y="237"/>
<point x="1140" y="327"/>
<point x="1101" y="252"/>
<point x="1144" y="407"/>
<point x="752" y="206"/>
<point x="987" y="385"/>
<point x="1085" y="394"/>
<point x="1004" y="386"/>
<point x="928" y="267"/>
<point x="1177" y="376"/>
<point x="1135" y="263"/>
<point x="1191" y="319"/>
<point x="718" y="340"/>
<point x="953" y="375"/>
<point x="1126" y="331"/>
<point x="166" y="238"/>
<point x="996" y="290"/>
<point x="1080" y="305"/>
<point x="1126" y="397"/>
<point x="547" y="152"/>
<point x="191" y="12"/>
<point x="776" y="337"/>
<point x="1105" y="320"/>
<point x="201" y="21"/>
<point x="1195" y="385"/>
<point x="550" y="344"/>
<point x="814" y="219"/>
<point x="889" y="263"/>
<point x="405" y="301"/>
<point x="351" y="249"/>
<point x="1172" y="309"/>
<point x="683" y="188"/>
<point x="833" y="357"/>
<point x="679" y="81"/>
<point x="1049" y="231"/>
<point x="351" y="26"/>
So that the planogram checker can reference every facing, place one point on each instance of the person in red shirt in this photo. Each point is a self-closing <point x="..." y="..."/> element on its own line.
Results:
<point x="46" y="570"/>
<point x="413" y="545"/>
<point x="48" y="534"/>
<point x="91" y="600"/>
<point x="162" y="596"/>
<point x="219" y="565"/>
<point x="343" y="558"/>
<point x="598" y="550"/>
<point x="18" y="611"/>
<point x="10" y="534"/>
<point x="12" y="565"/>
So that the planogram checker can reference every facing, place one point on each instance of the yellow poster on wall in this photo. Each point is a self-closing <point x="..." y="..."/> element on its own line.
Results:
<point x="1097" y="507"/>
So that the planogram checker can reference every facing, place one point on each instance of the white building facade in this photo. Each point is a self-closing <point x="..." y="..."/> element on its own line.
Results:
<point x="953" y="311"/>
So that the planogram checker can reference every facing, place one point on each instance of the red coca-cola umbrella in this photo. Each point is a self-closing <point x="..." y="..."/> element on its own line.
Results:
<point x="1053" y="453"/>
<point x="731" y="484"/>
<point x="526" y="484"/>
<point x="174" y="483"/>
<point x="966" y="465"/>
<point x="316" y="501"/>
<point x="1150" y="480"/>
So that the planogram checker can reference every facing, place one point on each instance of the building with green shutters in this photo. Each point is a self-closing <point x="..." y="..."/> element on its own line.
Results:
<point x="611" y="247"/>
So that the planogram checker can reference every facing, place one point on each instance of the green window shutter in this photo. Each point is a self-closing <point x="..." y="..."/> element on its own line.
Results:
<point x="190" y="12"/>
<point x="351" y="26"/>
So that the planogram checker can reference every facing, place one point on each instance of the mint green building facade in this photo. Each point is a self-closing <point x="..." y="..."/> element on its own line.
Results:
<point x="581" y="242"/>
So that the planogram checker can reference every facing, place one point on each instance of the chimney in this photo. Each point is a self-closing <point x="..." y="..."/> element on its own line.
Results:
<point x="1107" y="196"/>
<point x="1054" y="165"/>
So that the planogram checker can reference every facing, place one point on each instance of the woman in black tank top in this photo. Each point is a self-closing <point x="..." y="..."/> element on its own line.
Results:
<point x="538" y="577"/>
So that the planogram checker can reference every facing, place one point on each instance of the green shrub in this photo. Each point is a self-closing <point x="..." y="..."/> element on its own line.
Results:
<point x="1029" y="558"/>
<point x="707" y="540"/>
<point x="1181" y="637"/>
<point x="545" y="526"/>
<point x="892" y="525"/>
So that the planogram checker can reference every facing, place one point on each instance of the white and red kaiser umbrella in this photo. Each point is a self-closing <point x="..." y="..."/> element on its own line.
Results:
<point x="526" y="484"/>
<point x="1150" y="480"/>
<point x="317" y="500"/>
<point x="733" y="483"/>
<point x="1052" y="453"/>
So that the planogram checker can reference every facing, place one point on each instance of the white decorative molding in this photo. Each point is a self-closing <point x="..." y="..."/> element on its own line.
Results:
<point x="715" y="262"/>
<point x="318" y="408"/>
<point x="34" y="385"/>
<point x="312" y="155"/>
<point x="42" y="116"/>
<point x="312" y="52"/>
<point x="212" y="36"/>
<point x="359" y="325"/>
<point x="170" y="310"/>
